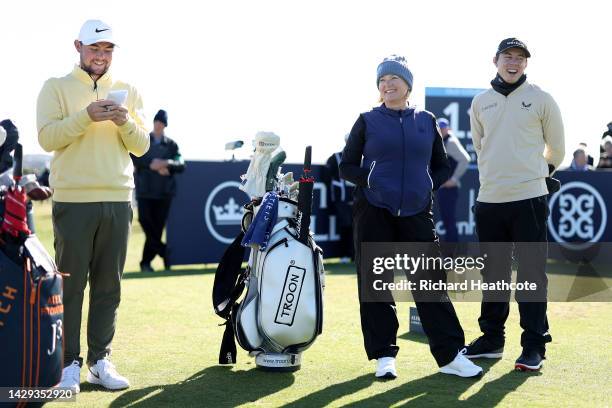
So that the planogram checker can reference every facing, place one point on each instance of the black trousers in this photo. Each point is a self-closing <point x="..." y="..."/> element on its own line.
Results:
<point x="152" y="215"/>
<point x="524" y="224"/>
<point x="379" y="322"/>
<point x="447" y="202"/>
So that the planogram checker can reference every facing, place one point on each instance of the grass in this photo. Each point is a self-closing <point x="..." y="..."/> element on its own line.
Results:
<point x="167" y="344"/>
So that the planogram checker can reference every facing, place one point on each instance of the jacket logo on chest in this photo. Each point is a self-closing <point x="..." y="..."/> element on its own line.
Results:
<point x="525" y="105"/>
<point x="489" y="106"/>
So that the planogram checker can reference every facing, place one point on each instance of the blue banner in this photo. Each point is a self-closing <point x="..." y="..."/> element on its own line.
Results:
<point x="578" y="211"/>
<point x="454" y="104"/>
<point x="205" y="215"/>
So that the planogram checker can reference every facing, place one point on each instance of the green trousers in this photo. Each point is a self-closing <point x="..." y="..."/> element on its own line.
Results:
<point x="91" y="244"/>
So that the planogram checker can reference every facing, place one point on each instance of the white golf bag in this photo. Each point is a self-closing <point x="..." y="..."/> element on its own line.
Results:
<point x="282" y="312"/>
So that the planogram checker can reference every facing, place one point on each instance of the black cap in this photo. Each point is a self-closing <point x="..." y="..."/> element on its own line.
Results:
<point x="161" y="116"/>
<point x="512" y="43"/>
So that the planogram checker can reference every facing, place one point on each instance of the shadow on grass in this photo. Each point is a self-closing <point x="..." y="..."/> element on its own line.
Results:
<point x="340" y="268"/>
<point x="216" y="386"/>
<point x="166" y="274"/>
<point x="433" y="390"/>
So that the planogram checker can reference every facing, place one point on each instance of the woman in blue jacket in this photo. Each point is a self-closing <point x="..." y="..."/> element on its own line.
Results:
<point x="395" y="156"/>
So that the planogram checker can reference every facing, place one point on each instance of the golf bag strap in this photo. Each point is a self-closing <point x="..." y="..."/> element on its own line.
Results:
<point x="227" y="352"/>
<point x="229" y="278"/>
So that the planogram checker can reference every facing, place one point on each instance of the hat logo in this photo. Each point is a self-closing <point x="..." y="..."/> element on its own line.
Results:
<point x="99" y="31"/>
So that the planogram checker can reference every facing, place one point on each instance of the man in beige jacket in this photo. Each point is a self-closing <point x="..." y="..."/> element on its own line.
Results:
<point x="518" y="136"/>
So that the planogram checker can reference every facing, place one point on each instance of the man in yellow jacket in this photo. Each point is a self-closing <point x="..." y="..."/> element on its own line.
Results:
<point x="92" y="131"/>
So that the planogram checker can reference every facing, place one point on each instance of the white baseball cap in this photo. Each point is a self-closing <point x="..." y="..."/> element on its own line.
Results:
<point x="94" y="31"/>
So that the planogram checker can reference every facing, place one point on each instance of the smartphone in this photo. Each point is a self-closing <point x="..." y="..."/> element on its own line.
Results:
<point x="119" y="96"/>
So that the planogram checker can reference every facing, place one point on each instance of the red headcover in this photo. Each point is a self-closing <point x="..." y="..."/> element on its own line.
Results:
<point x="15" y="217"/>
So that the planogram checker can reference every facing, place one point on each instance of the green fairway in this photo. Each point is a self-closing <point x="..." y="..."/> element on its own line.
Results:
<point x="168" y="338"/>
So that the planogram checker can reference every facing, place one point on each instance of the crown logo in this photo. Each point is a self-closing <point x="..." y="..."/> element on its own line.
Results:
<point x="228" y="214"/>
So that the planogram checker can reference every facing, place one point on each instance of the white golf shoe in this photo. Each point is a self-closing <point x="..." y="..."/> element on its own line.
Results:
<point x="105" y="374"/>
<point x="385" y="368"/>
<point x="71" y="377"/>
<point x="462" y="367"/>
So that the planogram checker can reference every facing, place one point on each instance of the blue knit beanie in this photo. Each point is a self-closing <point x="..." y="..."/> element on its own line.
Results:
<point x="395" y="65"/>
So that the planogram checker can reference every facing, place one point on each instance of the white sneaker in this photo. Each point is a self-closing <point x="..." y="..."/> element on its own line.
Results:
<point x="71" y="377"/>
<point x="385" y="368"/>
<point x="105" y="374"/>
<point x="462" y="367"/>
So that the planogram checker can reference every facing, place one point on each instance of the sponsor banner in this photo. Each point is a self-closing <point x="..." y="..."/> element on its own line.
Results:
<point x="205" y="215"/>
<point x="454" y="104"/>
<point x="415" y="326"/>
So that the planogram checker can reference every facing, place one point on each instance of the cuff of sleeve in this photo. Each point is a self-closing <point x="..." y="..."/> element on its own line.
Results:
<point x="83" y="119"/>
<point x="127" y="127"/>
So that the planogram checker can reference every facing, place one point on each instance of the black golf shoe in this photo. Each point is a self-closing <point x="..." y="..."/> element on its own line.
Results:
<point x="146" y="267"/>
<point x="483" y="348"/>
<point x="530" y="360"/>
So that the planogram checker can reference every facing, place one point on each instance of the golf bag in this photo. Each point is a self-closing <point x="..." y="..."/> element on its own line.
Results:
<point x="31" y="308"/>
<point x="281" y="314"/>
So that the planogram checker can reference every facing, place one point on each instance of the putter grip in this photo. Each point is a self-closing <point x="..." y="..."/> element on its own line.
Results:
<point x="18" y="156"/>
<point x="307" y="157"/>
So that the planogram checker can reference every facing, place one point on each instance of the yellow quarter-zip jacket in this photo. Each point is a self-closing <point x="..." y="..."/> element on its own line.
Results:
<point x="91" y="161"/>
<point x="515" y="138"/>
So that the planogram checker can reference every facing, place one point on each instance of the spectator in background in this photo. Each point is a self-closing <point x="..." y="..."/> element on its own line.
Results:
<point x="590" y="159"/>
<point x="448" y="193"/>
<point x="580" y="161"/>
<point x="155" y="188"/>
<point x="44" y="177"/>
<point x="608" y="132"/>
<point x="340" y="197"/>
<point x="605" y="160"/>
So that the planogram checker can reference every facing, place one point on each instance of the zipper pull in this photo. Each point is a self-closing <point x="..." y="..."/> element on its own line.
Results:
<point x="398" y="212"/>
<point x="400" y="119"/>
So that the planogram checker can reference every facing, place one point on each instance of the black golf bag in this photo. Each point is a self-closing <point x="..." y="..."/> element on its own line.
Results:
<point x="31" y="308"/>
<point x="282" y="312"/>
